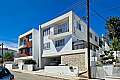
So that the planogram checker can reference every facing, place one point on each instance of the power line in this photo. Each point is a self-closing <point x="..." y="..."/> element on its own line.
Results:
<point x="80" y="3"/>
<point x="98" y="14"/>
<point x="110" y="9"/>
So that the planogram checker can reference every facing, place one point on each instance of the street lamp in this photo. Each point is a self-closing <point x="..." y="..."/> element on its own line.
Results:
<point x="2" y="52"/>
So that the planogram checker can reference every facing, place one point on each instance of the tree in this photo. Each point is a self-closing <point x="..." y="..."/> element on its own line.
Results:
<point x="113" y="27"/>
<point x="107" y="57"/>
<point x="8" y="56"/>
<point x="113" y="32"/>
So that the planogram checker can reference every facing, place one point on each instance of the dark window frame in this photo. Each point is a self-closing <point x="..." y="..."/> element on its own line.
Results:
<point x="46" y="46"/>
<point x="96" y="39"/>
<point x="59" y="43"/>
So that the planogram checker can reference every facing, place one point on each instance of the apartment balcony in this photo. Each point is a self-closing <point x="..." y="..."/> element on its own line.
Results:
<point x="22" y="46"/>
<point x="23" y="54"/>
<point x="53" y="36"/>
<point x="80" y="44"/>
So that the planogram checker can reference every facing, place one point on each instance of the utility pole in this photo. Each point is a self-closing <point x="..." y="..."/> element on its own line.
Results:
<point x="88" y="38"/>
<point x="2" y="54"/>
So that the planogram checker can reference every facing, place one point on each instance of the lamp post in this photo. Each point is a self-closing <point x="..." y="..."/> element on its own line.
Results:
<point x="2" y="53"/>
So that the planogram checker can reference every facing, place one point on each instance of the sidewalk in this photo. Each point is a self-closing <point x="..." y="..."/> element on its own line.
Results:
<point x="42" y="73"/>
<point x="66" y="77"/>
<point x="112" y="78"/>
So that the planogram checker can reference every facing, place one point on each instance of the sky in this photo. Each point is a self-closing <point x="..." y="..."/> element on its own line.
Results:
<point x="19" y="16"/>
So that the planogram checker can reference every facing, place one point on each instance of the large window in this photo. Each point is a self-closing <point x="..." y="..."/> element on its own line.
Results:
<point x="30" y="37"/>
<point x="29" y="51"/>
<point x="79" y="44"/>
<point x="46" y="46"/>
<point x="61" y="28"/>
<point x="46" y="31"/>
<point x="96" y="39"/>
<point x="90" y="35"/>
<point x="79" y="26"/>
<point x="59" y="43"/>
<point x="22" y="42"/>
<point x="93" y="47"/>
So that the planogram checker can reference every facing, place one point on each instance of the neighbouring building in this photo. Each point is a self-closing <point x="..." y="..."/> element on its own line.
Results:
<point x="28" y="47"/>
<point x="5" y="50"/>
<point x="63" y="40"/>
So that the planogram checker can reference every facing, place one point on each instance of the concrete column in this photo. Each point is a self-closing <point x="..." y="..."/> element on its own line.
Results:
<point x="40" y="46"/>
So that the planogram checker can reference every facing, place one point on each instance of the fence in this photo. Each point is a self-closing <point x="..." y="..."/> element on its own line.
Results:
<point x="104" y="71"/>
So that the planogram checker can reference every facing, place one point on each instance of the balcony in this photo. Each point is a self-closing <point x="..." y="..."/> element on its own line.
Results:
<point x="21" y="46"/>
<point x="53" y="36"/>
<point x="79" y="44"/>
<point x="24" y="52"/>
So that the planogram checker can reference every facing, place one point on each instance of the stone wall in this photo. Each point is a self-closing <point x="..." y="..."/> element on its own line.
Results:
<point x="74" y="60"/>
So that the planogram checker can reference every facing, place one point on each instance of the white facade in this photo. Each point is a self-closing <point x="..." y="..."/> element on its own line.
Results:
<point x="74" y="29"/>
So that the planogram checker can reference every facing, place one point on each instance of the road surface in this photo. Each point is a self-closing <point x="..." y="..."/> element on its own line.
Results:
<point x="26" y="76"/>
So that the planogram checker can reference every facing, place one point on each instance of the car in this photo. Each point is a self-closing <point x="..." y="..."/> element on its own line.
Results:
<point x="5" y="74"/>
<point x="15" y="66"/>
<point x="54" y="63"/>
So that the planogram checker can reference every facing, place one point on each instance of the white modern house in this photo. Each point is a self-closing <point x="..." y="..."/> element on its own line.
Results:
<point x="28" y="47"/>
<point x="63" y="40"/>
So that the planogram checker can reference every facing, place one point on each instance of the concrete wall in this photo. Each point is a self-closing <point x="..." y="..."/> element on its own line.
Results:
<point x="82" y="35"/>
<point x="61" y="70"/>
<point x="102" y="72"/>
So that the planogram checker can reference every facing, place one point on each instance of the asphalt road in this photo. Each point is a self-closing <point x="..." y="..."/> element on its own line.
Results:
<point x="26" y="76"/>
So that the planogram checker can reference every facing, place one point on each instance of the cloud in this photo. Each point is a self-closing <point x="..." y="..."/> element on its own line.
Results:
<point x="9" y="44"/>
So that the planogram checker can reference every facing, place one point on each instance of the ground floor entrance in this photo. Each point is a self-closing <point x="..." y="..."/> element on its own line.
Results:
<point x="51" y="61"/>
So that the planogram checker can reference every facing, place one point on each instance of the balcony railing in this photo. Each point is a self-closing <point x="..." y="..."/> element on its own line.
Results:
<point x="23" y="55"/>
<point x="79" y="44"/>
<point x="58" y="36"/>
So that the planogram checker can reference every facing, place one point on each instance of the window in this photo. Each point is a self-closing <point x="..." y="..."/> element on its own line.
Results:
<point x="90" y="34"/>
<point x="46" y="46"/>
<point x="30" y="37"/>
<point x="59" y="43"/>
<point x="24" y="42"/>
<point x="79" y="44"/>
<point x="61" y="28"/>
<point x="91" y="46"/>
<point x="21" y="42"/>
<point x="79" y="26"/>
<point x="29" y="51"/>
<point x="46" y="32"/>
<point x="95" y="38"/>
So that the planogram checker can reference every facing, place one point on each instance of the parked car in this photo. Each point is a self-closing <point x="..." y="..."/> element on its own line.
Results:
<point x="15" y="66"/>
<point x="5" y="74"/>
<point x="54" y="63"/>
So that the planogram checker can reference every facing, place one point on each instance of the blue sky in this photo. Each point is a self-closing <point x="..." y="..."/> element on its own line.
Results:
<point x="19" y="16"/>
